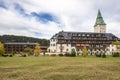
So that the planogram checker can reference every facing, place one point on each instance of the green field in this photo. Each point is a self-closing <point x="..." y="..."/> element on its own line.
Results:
<point x="59" y="68"/>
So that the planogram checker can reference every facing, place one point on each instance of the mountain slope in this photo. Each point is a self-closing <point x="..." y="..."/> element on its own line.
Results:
<point x="13" y="38"/>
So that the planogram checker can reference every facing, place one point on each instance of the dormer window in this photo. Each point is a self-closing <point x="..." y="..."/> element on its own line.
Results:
<point x="88" y="35"/>
<point x="74" y="34"/>
<point x="83" y="35"/>
<point x="79" y="34"/>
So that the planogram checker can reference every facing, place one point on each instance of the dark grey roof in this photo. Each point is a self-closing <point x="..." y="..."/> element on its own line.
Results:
<point x="69" y="35"/>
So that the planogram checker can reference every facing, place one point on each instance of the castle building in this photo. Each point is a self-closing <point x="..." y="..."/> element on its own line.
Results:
<point x="64" y="41"/>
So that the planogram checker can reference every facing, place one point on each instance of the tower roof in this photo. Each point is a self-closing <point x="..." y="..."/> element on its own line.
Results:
<point x="99" y="19"/>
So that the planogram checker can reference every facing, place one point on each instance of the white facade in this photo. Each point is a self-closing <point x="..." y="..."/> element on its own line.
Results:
<point x="56" y="48"/>
<point x="65" y="48"/>
<point x="53" y="43"/>
<point x="113" y="48"/>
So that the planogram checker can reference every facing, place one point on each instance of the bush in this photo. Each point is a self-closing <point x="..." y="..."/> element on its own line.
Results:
<point x="30" y="53"/>
<point x="53" y="55"/>
<point x="98" y="55"/>
<point x="24" y="55"/>
<point x="5" y="55"/>
<point x="104" y="55"/>
<point x="60" y="54"/>
<point x="67" y="54"/>
<point x="70" y="54"/>
<point x="10" y="55"/>
<point x="116" y="54"/>
<point x="73" y="53"/>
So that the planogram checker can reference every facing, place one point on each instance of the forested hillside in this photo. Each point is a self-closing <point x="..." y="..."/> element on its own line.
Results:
<point x="13" y="38"/>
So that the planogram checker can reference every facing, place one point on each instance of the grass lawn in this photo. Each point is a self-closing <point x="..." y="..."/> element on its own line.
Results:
<point x="59" y="68"/>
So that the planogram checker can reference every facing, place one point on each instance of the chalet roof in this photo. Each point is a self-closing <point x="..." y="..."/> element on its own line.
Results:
<point x="69" y="35"/>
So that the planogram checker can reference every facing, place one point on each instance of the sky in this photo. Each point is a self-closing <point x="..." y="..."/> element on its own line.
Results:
<point x="44" y="18"/>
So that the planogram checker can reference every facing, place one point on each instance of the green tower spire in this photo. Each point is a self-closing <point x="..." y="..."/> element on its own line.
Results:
<point x="99" y="19"/>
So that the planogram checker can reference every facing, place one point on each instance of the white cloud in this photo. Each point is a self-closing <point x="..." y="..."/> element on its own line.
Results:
<point x="74" y="15"/>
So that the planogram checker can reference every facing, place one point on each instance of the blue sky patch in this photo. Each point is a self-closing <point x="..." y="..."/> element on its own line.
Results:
<point x="19" y="8"/>
<point x="3" y="5"/>
<point x="42" y="17"/>
<point x="45" y="17"/>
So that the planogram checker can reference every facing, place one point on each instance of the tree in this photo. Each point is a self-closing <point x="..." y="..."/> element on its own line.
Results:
<point x="117" y="44"/>
<point x="116" y="53"/>
<point x="2" y="50"/>
<point x="28" y="50"/>
<point x="84" y="51"/>
<point x="13" y="38"/>
<point x="37" y="50"/>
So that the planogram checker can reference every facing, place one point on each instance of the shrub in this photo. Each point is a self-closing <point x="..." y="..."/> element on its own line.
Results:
<point x="67" y="54"/>
<point x="10" y="55"/>
<point x="73" y="53"/>
<point x="24" y="55"/>
<point x="98" y="55"/>
<point x="5" y="55"/>
<point x="30" y="53"/>
<point x="104" y="55"/>
<point x="60" y="54"/>
<point x="116" y="54"/>
<point x="53" y="54"/>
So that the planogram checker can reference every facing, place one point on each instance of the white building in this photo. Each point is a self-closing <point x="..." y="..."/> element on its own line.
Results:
<point x="64" y="41"/>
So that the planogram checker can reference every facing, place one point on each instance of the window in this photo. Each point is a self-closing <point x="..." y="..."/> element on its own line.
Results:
<point x="74" y="34"/>
<point x="69" y="34"/>
<point x="67" y="49"/>
<point x="67" y="44"/>
<point x="83" y="34"/>
<point x="53" y="39"/>
<point x="53" y="44"/>
<point x="92" y="35"/>
<point x="74" y="38"/>
<point x="79" y="34"/>
<point x="88" y="35"/>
